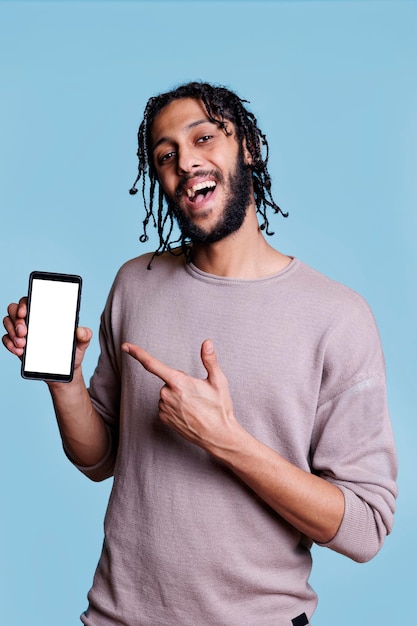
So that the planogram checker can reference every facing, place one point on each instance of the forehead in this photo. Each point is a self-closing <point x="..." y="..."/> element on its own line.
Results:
<point x="178" y="117"/>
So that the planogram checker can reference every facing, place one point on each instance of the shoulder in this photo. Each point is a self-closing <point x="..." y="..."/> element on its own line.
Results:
<point x="349" y="342"/>
<point x="328" y="295"/>
<point x="149" y="268"/>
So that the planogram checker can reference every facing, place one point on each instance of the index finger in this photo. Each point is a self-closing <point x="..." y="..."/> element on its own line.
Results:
<point x="18" y="310"/>
<point x="150" y="363"/>
<point x="21" y="308"/>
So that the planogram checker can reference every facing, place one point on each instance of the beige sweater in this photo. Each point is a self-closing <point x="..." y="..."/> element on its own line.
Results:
<point x="186" y="542"/>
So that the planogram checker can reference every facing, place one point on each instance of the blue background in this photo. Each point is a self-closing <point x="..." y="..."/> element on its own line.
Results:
<point x="334" y="87"/>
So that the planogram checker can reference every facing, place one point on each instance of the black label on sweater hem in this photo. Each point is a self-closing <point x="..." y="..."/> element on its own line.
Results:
<point x="301" y="620"/>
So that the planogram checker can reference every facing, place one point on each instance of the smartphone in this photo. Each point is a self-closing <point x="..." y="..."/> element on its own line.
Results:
<point x="52" y="319"/>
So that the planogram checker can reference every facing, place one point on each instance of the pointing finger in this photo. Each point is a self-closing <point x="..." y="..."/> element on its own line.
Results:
<point x="150" y="363"/>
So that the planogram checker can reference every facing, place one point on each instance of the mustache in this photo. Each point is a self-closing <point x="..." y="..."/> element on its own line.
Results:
<point x="213" y="174"/>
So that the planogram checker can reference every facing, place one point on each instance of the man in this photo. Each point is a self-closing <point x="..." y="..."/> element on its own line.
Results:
<point x="239" y="399"/>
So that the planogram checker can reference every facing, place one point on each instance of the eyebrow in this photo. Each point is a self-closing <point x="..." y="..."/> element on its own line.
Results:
<point x="187" y="127"/>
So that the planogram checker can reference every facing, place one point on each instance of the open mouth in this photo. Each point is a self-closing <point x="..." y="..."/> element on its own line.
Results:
<point x="201" y="189"/>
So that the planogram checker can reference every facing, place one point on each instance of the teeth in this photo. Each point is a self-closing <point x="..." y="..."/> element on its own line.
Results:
<point x="207" y="184"/>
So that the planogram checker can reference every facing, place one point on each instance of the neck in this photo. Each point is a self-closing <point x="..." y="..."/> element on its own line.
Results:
<point x="244" y="254"/>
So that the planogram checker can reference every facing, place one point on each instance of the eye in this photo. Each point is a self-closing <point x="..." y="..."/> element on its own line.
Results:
<point x="204" y="138"/>
<point x="166" y="157"/>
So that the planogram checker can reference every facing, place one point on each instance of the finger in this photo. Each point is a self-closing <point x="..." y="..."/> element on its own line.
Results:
<point x="83" y="336"/>
<point x="210" y="362"/>
<point x="22" y="307"/>
<point x="11" y="347"/>
<point x="8" y="324"/>
<point x="150" y="363"/>
<point x="17" y="334"/>
<point x="18" y="309"/>
<point x="17" y="314"/>
<point x="12" y="310"/>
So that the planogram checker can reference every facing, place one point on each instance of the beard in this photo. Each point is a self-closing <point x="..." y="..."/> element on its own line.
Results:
<point x="238" y="198"/>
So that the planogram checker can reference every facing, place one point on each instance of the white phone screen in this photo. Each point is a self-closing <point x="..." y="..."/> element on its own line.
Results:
<point x="51" y="326"/>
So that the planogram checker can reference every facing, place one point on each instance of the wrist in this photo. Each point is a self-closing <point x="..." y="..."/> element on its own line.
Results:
<point x="233" y="444"/>
<point x="62" y="387"/>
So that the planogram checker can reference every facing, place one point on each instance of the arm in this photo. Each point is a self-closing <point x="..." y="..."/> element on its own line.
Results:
<point x="202" y="412"/>
<point x="84" y="434"/>
<point x="309" y="503"/>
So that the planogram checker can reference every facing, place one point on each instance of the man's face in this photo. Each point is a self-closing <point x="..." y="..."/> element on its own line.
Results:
<point x="203" y="172"/>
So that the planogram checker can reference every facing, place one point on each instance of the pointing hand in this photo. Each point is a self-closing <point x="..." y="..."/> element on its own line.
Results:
<point x="200" y="410"/>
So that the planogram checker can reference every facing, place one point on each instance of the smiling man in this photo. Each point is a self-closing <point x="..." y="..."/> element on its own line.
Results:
<point x="205" y="176"/>
<point x="239" y="400"/>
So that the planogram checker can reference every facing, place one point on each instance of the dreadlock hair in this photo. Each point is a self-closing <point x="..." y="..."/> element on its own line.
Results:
<point x="222" y="105"/>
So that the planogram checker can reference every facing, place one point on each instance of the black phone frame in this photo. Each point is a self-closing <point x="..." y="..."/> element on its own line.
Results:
<point x="59" y="277"/>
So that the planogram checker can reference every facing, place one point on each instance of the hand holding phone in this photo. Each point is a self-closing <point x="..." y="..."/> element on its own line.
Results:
<point x="52" y="319"/>
<point x="15" y="325"/>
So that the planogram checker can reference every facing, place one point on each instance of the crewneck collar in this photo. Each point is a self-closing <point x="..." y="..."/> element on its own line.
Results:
<point x="194" y="271"/>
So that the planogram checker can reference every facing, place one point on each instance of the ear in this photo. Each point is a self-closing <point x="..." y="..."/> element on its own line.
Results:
<point x="246" y="154"/>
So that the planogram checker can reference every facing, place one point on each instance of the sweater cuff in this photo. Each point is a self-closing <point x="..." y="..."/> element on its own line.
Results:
<point x="101" y="470"/>
<point x="359" y="536"/>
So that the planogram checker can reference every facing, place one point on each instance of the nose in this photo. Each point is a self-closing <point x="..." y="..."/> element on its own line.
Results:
<point x="187" y="160"/>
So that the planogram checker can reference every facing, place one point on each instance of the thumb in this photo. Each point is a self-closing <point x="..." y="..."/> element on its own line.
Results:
<point x="84" y="336"/>
<point x="209" y="360"/>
